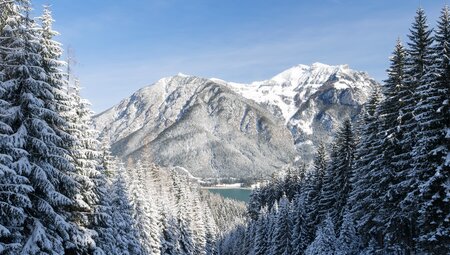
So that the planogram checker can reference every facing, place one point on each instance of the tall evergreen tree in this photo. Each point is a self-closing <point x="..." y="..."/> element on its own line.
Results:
<point x="431" y="167"/>
<point x="185" y="244"/>
<point x="377" y="221"/>
<point x="197" y="225"/>
<point x="14" y="186"/>
<point x="314" y="185"/>
<point x="14" y="191"/>
<point x="418" y="64"/>
<point x="254" y="204"/>
<point x="281" y="242"/>
<point x="261" y="245"/>
<point x="299" y="231"/>
<point x="126" y="237"/>
<point x="36" y="127"/>
<point x="325" y="242"/>
<point x="87" y="211"/>
<point x="348" y="241"/>
<point x="336" y="187"/>
<point x="366" y="169"/>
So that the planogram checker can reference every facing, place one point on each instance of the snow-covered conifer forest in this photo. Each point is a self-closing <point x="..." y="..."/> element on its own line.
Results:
<point x="382" y="186"/>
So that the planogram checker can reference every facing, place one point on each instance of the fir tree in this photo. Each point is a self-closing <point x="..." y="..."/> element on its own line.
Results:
<point x="314" y="185"/>
<point x="281" y="243"/>
<point x="261" y="245"/>
<point x="418" y="64"/>
<point x="169" y="236"/>
<point x="254" y="204"/>
<point x="325" y="242"/>
<point x="185" y="242"/>
<point x="292" y="181"/>
<point x="336" y="187"/>
<point x="198" y="225"/>
<point x="14" y="190"/>
<point x="36" y="127"/>
<point x="382" y="170"/>
<point x="126" y="236"/>
<point x="365" y="168"/>
<point x="211" y="235"/>
<point x="250" y="233"/>
<point x="348" y="241"/>
<point x="430" y="153"/>
<point x="14" y="187"/>
<point x="299" y="233"/>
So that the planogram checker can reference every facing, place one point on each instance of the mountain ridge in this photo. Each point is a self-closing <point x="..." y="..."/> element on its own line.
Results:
<point x="297" y="107"/>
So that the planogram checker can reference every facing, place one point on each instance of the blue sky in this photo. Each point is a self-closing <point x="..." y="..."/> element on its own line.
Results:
<point x="121" y="46"/>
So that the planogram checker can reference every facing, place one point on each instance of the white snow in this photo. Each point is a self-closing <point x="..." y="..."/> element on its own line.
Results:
<point x="301" y="81"/>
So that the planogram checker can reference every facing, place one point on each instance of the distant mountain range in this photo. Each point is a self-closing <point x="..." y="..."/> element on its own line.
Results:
<point x="214" y="128"/>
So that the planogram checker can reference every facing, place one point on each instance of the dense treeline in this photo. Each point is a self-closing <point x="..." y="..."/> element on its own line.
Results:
<point x="385" y="186"/>
<point x="61" y="192"/>
<point x="160" y="211"/>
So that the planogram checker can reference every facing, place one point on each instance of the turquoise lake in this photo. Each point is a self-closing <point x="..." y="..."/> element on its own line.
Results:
<point x="237" y="194"/>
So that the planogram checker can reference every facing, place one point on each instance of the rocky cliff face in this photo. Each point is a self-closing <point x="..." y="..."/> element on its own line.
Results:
<point x="214" y="128"/>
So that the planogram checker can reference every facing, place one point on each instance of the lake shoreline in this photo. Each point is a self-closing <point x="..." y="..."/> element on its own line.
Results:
<point x="227" y="187"/>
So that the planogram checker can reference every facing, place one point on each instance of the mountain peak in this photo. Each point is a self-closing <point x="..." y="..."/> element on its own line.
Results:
<point x="300" y="72"/>
<point x="183" y="75"/>
<point x="294" y="86"/>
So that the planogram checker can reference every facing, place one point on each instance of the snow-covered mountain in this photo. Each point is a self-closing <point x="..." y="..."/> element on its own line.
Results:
<point x="199" y="125"/>
<point x="215" y="128"/>
<point x="313" y="100"/>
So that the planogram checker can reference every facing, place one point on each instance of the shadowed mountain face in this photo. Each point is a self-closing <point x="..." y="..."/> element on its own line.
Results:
<point x="214" y="128"/>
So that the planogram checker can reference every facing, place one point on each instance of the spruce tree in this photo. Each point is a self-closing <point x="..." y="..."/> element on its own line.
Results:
<point x="327" y="193"/>
<point x="14" y="188"/>
<point x="362" y="202"/>
<point x="126" y="236"/>
<point x="87" y="212"/>
<point x="377" y="222"/>
<point x="197" y="225"/>
<point x="261" y="245"/>
<point x="325" y="241"/>
<point x="254" y="204"/>
<point x="314" y="184"/>
<point x="299" y="231"/>
<point x="36" y="127"/>
<point x="250" y="234"/>
<point x="14" y="191"/>
<point x="211" y="234"/>
<point x="418" y="64"/>
<point x="430" y="153"/>
<point x="292" y="181"/>
<point x="143" y="212"/>
<point x="336" y="187"/>
<point x="281" y="242"/>
<point x="185" y="238"/>
<point x="348" y="241"/>
<point x="271" y="224"/>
